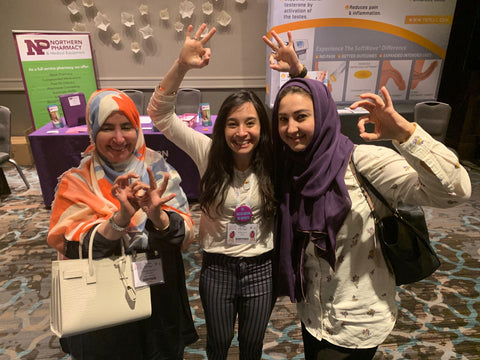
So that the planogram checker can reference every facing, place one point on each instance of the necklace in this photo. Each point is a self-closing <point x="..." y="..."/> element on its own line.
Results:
<point x="246" y="184"/>
<point x="243" y="178"/>
<point x="243" y="212"/>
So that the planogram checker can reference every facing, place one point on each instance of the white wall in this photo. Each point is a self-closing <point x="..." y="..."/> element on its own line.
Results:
<point x="238" y="51"/>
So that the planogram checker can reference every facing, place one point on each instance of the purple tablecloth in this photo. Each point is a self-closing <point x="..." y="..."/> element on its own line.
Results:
<point x="56" y="152"/>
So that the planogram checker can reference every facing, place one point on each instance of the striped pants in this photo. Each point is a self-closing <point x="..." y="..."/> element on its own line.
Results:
<point x="231" y="287"/>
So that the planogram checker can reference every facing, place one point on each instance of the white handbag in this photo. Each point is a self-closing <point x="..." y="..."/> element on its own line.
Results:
<point x="92" y="294"/>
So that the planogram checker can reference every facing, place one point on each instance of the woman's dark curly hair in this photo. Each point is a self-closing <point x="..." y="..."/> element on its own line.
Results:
<point x="219" y="173"/>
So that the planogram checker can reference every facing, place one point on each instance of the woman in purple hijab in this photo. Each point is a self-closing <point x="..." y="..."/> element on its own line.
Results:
<point x="327" y="256"/>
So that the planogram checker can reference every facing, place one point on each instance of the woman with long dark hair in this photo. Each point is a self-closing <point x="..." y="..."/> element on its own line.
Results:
<point x="237" y="203"/>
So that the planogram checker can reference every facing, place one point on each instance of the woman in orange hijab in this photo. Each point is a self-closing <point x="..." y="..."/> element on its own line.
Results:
<point x="130" y="194"/>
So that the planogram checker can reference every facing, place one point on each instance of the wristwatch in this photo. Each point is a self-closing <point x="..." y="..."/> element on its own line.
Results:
<point x="301" y="74"/>
<point x="115" y="226"/>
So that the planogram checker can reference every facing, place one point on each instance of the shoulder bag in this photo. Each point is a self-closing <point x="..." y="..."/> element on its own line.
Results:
<point x="92" y="294"/>
<point x="403" y="236"/>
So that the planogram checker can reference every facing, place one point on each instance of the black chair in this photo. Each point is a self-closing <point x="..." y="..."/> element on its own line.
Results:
<point x="5" y="142"/>
<point x="433" y="117"/>
<point x="138" y="98"/>
<point x="188" y="101"/>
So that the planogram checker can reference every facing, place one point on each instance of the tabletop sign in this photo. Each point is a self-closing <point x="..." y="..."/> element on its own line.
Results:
<point x="54" y="63"/>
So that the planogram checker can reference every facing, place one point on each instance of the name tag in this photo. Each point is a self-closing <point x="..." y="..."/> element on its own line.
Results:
<point x="241" y="234"/>
<point x="148" y="272"/>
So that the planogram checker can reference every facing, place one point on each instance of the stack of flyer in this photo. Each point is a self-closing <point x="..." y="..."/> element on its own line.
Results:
<point x="189" y="119"/>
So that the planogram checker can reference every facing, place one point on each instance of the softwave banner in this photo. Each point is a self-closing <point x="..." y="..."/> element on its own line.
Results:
<point x="359" y="46"/>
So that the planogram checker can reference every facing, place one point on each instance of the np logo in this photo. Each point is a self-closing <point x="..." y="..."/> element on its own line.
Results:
<point x="37" y="47"/>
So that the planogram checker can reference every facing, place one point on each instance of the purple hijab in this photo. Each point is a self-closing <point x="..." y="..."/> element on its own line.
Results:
<point x="310" y="187"/>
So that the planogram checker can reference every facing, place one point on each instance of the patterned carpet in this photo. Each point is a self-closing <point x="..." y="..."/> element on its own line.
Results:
<point x="439" y="317"/>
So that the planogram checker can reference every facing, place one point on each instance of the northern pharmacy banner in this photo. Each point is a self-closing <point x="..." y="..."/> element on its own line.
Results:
<point x="359" y="46"/>
<point x="52" y="64"/>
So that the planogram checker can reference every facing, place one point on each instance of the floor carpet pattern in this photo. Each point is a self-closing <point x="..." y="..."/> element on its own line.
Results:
<point x="438" y="318"/>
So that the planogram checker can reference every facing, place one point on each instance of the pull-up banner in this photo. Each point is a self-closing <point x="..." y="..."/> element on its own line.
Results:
<point x="358" y="46"/>
<point x="53" y="64"/>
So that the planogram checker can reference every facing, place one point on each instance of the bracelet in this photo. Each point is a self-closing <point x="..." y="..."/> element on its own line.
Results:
<point x="166" y="228"/>
<point x="115" y="226"/>
<point x="172" y="93"/>
<point x="301" y="74"/>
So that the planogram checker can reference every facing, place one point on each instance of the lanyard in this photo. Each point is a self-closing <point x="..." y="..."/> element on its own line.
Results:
<point x="243" y="212"/>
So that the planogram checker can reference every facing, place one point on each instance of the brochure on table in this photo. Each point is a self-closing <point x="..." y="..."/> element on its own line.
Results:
<point x="52" y="64"/>
<point x="357" y="46"/>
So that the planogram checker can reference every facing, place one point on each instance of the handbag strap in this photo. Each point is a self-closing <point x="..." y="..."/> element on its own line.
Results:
<point x="361" y="180"/>
<point x="90" y="247"/>
<point x="90" y="244"/>
<point x="364" y="181"/>
<point x="120" y="264"/>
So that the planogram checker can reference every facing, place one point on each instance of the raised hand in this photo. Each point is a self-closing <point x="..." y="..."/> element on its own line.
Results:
<point x="122" y="190"/>
<point x="150" y="199"/>
<point x="283" y="57"/>
<point x="193" y="54"/>
<point x="388" y="123"/>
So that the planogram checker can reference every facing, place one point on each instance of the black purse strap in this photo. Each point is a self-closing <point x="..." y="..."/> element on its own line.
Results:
<point x="364" y="181"/>
<point x="361" y="181"/>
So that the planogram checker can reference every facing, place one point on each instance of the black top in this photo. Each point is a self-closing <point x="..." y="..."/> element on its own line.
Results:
<point x="170" y="328"/>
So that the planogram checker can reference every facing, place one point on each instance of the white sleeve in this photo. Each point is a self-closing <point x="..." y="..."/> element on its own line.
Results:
<point x="425" y="172"/>
<point x="196" y="145"/>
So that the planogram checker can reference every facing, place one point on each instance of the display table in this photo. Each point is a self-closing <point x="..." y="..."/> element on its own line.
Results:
<point x="57" y="150"/>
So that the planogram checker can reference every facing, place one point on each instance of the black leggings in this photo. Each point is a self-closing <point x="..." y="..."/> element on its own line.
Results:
<point x="323" y="350"/>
